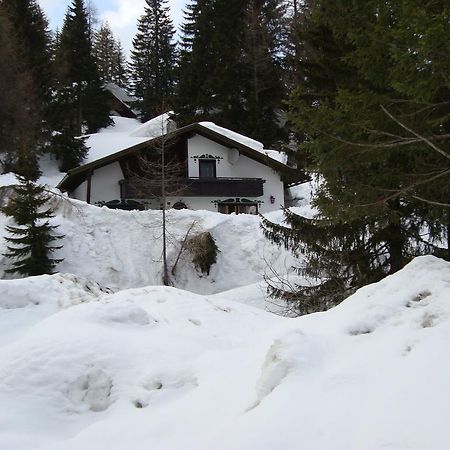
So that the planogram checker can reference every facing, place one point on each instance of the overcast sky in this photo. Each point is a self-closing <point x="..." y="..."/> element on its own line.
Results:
<point x="122" y="15"/>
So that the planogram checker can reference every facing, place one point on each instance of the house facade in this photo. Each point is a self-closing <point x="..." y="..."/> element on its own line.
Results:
<point x="205" y="167"/>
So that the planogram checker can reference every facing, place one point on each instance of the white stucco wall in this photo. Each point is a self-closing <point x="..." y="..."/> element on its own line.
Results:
<point x="104" y="185"/>
<point x="232" y="164"/>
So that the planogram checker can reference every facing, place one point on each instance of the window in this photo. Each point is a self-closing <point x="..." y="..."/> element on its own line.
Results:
<point x="179" y="205"/>
<point x="238" y="208"/>
<point x="207" y="168"/>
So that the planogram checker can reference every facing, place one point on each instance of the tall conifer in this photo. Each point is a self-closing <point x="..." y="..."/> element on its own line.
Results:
<point x="76" y="69"/>
<point x="375" y="124"/>
<point x="30" y="30"/>
<point x="153" y="59"/>
<point x="21" y="95"/>
<point x="233" y="78"/>
<point x="109" y="56"/>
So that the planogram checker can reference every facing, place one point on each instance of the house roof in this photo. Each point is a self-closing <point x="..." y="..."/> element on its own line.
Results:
<point x="248" y="147"/>
<point x="120" y="93"/>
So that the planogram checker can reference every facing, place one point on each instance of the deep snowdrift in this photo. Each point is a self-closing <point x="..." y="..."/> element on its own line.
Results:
<point x="123" y="249"/>
<point x="166" y="369"/>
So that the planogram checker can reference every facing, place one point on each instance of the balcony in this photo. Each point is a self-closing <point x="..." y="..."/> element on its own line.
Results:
<point x="194" y="187"/>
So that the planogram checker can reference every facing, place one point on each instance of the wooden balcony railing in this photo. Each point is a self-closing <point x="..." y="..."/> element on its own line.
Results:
<point x="194" y="187"/>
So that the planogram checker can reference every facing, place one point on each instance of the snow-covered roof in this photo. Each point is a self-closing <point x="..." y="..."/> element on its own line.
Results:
<point x="120" y="93"/>
<point x="245" y="140"/>
<point x="125" y="133"/>
<point x="128" y="135"/>
<point x="155" y="127"/>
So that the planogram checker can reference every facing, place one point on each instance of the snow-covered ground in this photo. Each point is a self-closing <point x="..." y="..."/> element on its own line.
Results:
<point x="102" y="357"/>
<point x="167" y="369"/>
<point x="123" y="249"/>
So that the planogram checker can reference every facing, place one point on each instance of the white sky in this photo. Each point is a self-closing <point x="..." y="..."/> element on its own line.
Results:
<point x="122" y="15"/>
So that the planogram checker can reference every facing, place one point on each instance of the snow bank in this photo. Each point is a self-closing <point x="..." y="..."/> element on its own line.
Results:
<point x="40" y="297"/>
<point x="162" y="368"/>
<point x="122" y="249"/>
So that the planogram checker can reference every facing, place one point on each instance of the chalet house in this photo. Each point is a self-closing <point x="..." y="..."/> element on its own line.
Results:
<point x="205" y="167"/>
<point x="119" y="102"/>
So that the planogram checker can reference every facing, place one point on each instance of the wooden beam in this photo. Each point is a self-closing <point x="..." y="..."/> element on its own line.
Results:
<point x="89" y="186"/>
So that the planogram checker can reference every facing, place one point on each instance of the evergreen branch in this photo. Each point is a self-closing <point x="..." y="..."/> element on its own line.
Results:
<point x="405" y="190"/>
<point x="419" y="136"/>
<point x="431" y="202"/>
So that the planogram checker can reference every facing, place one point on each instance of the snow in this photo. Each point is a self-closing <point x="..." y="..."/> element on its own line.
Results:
<point x="154" y="127"/>
<point x="244" y="140"/>
<point x="8" y="179"/>
<point x="247" y="141"/>
<point x="123" y="134"/>
<point x="122" y="249"/>
<point x="158" y="367"/>
<point x="112" y="139"/>
<point x="276" y="155"/>
<point x="101" y="357"/>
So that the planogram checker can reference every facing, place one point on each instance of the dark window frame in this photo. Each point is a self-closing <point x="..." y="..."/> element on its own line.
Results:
<point x="212" y="163"/>
<point x="237" y="208"/>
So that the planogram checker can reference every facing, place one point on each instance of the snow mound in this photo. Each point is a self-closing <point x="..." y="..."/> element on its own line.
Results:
<point x="148" y="348"/>
<point x="63" y="290"/>
<point x="162" y="368"/>
<point x="122" y="249"/>
<point x="28" y="301"/>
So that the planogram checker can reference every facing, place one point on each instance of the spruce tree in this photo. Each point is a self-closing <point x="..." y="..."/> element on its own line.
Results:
<point x="194" y="99"/>
<point x="211" y="65"/>
<point x="265" y="49"/>
<point x="21" y="112"/>
<point x="109" y="56"/>
<point x="374" y="121"/>
<point x="30" y="243"/>
<point x="31" y="33"/>
<point x="234" y="79"/>
<point x="25" y="75"/>
<point x="153" y="59"/>
<point x="76" y="69"/>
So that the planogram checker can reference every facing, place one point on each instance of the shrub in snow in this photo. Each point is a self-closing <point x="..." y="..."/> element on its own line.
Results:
<point x="204" y="251"/>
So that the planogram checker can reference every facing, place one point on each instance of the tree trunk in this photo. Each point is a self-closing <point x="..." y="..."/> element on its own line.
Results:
<point x="396" y="243"/>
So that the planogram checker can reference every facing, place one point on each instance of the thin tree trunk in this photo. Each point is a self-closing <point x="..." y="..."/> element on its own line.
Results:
<point x="166" y="278"/>
<point x="396" y="243"/>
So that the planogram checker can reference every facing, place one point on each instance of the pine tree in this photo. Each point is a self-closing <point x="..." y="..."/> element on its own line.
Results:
<point x="76" y="69"/>
<point x="211" y="65"/>
<point x="153" y="59"/>
<point x="20" y="117"/>
<point x="195" y="94"/>
<point x="70" y="150"/>
<point x="374" y="121"/>
<point x="24" y="80"/>
<point x="234" y="79"/>
<point x="109" y="56"/>
<point x="32" y="36"/>
<point x="265" y="50"/>
<point x="30" y="241"/>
